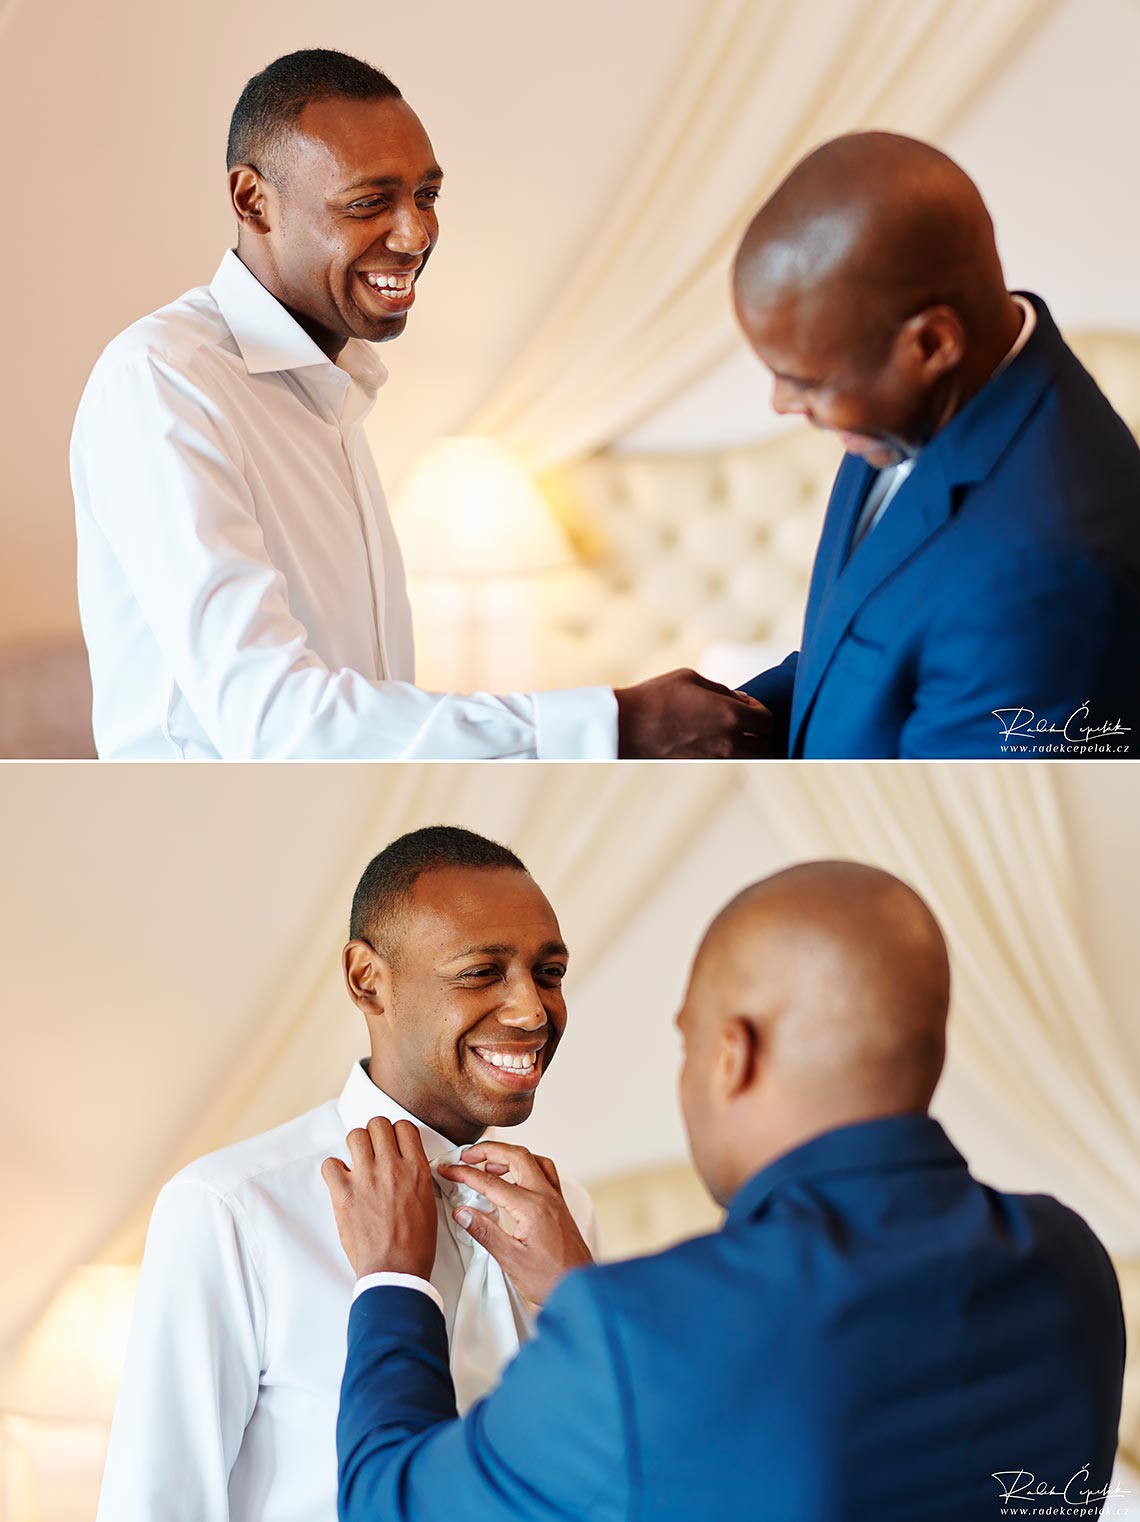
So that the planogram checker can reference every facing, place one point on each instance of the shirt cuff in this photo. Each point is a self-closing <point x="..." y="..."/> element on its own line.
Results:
<point x="576" y="724"/>
<point x="402" y="1281"/>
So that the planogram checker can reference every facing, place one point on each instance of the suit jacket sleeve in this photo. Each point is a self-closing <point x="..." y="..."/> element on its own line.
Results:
<point x="193" y="1364"/>
<point x="550" y="1442"/>
<point x="774" y="689"/>
<point x="1022" y="637"/>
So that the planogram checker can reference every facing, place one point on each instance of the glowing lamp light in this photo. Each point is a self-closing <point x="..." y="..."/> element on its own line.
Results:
<point x="468" y="509"/>
<point x="69" y="1366"/>
<point x="58" y="1395"/>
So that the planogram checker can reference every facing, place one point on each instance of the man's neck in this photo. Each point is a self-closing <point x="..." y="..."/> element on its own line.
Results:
<point x="983" y="359"/>
<point x="459" y="1131"/>
<point x="330" y="344"/>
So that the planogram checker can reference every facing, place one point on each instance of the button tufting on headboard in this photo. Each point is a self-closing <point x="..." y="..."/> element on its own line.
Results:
<point x="685" y="551"/>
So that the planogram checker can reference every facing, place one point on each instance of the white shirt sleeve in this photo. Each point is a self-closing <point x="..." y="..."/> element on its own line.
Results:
<point x="405" y="1281"/>
<point x="161" y="473"/>
<point x="193" y="1366"/>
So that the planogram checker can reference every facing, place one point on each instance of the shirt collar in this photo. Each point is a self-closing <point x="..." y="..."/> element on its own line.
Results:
<point x="361" y="1099"/>
<point x="869" y="1146"/>
<point x="1025" y="333"/>
<point x="268" y="338"/>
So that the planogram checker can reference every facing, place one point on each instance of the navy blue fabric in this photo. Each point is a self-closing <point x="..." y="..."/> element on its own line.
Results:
<point x="1005" y="574"/>
<point x="871" y="1337"/>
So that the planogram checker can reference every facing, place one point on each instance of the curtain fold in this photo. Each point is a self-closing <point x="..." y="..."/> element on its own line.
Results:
<point x="648" y="310"/>
<point x="1039" y="1075"/>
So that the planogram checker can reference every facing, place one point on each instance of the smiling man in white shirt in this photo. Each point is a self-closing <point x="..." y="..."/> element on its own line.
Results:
<point x="228" y="1403"/>
<point x="240" y="585"/>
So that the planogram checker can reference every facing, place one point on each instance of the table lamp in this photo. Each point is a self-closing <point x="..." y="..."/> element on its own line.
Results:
<point x="470" y="520"/>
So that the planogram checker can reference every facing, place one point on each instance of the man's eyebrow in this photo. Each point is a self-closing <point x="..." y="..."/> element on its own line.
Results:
<point x="391" y="181"/>
<point x="502" y="949"/>
<point x="553" y="949"/>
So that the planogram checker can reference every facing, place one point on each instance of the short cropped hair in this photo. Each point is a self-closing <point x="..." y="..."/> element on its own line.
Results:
<point x="271" y="102"/>
<point x="382" y="894"/>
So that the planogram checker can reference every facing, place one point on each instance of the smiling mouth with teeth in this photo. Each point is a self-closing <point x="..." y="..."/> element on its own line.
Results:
<point x="514" y="1062"/>
<point x="398" y="285"/>
<point x="520" y="1071"/>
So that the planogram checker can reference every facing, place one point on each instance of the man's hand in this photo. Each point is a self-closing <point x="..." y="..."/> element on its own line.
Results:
<point x="385" y="1203"/>
<point x="683" y="715"/>
<point x="547" y="1243"/>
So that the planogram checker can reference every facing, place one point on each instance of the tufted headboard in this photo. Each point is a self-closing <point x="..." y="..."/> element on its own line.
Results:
<point x="687" y="552"/>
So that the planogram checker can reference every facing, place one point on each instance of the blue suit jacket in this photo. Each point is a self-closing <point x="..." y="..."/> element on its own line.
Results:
<point x="1004" y="575"/>
<point x="870" y="1338"/>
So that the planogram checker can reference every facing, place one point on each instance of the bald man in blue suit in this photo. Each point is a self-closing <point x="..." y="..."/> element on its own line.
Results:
<point x="872" y="1336"/>
<point x="976" y="591"/>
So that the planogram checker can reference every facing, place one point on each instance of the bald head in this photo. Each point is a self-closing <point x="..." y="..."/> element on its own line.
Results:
<point x="832" y="982"/>
<point x="870" y="285"/>
<point x="885" y="217"/>
<point x="843" y="970"/>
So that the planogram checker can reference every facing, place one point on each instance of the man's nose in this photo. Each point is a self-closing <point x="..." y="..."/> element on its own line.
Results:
<point x="523" y="1009"/>
<point x="408" y="234"/>
<point x="787" y="398"/>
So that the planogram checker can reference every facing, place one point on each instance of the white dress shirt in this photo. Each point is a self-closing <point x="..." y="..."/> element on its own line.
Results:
<point x="228" y="1402"/>
<point x="240" y="585"/>
<point x="886" y="485"/>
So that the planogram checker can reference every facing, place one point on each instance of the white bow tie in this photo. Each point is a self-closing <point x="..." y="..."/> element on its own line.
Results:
<point x="485" y="1334"/>
<point x="455" y="1194"/>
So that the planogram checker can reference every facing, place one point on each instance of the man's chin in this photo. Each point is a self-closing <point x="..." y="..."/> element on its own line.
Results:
<point x="503" y="1107"/>
<point x="380" y="332"/>
<point x="876" y="452"/>
<point x="503" y="1110"/>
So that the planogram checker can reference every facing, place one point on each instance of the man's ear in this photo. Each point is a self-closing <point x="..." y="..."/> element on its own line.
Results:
<point x="368" y="978"/>
<point x="251" y="198"/>
<point x="936" y="342"/>
<point x="737" y="1058"/>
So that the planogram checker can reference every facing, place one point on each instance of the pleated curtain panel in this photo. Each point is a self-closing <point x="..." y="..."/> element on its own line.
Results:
<point x="763" y="83"/>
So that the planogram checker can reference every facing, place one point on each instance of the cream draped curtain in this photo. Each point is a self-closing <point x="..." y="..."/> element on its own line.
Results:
<point x="1039" y="1073"/>
<point x="648" y="311"/>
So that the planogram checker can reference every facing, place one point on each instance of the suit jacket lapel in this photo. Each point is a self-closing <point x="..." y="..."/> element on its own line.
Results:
<point x="848" y="494"/>
<point x="963" y="453"/>
<point x="920" y="508"/>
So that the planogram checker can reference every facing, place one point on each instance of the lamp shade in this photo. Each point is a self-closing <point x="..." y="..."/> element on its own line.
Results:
<point x="468" y="509"/>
